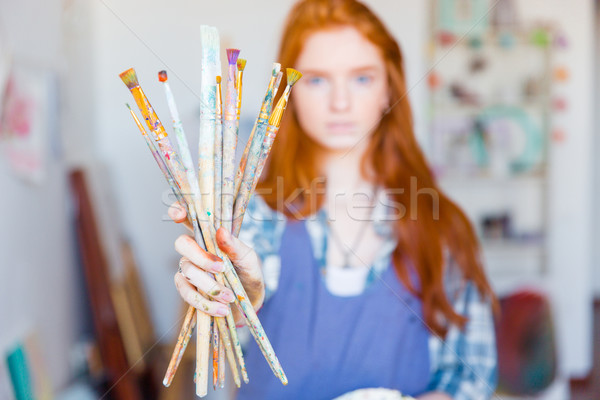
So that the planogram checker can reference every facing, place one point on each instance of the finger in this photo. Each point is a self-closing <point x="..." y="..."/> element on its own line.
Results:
<point x="178" y="213"/>
<point x="243" y="257"/>
<point x="237" y="251"/>
<point x="203" y="281"/>
<point x="191" y="296"/>
<point x="188" y="248"/>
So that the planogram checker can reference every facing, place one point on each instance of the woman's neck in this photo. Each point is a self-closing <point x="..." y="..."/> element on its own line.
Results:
<point x="342" y="171"/>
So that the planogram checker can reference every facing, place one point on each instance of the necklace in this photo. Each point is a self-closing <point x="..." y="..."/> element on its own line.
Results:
<point x="344" y="249"/>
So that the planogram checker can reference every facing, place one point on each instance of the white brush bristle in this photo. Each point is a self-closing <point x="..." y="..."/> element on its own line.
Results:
<point x="211" y="58"/>
<point x="276" y="69"/>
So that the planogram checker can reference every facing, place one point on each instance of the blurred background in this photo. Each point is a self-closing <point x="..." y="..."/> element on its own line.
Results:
<point x="504" y="95"/>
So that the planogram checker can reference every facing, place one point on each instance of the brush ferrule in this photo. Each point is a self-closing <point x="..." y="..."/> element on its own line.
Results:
<point x="263" y="116"/>
<point x="270" y="133"/>
<point x="148" y="113"/>
<point x="160" y="135"/>
<point x="219" y="102"/>
<point x="277" y="114"/>
<point x="238" y="84"/>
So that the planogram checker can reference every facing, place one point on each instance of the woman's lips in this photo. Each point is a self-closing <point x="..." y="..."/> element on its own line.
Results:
<point x="341" y="128"/>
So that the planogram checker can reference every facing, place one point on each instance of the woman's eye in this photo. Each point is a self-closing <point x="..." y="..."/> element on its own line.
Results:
<point x="315" y="81"/>
<point x="363" y="79"/>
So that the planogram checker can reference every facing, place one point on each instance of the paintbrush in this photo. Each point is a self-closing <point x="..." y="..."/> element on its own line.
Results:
<point x="215" y="352"/>
<point x="208" y="230"/>
<point x="267" y="350"/>
<point x="218" y="154"/>
<point x="182" y="341"/>
<point x="210" y="68"/>
<point x="175" y="165"/>
<point x="243" y="303"/>
<point x="190" y="173"/>
<point x="241" y="65"/>
<point x="169" y="177"/>
<point x="182" y="144"/>
<point x="235" y="341"/>
<point x="254" y="143"/>
<point x="186" y="156"/>
<point x="221" y="377"/>
<point x="190" y="317"/>
<point x="292" y="76"/>
<point x="161" y="163"/>
<point x="246" y="190"/>
<point x="229" y="141"/>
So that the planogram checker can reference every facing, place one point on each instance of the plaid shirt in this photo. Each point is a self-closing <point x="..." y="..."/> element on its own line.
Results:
<point x="463" y="364"/>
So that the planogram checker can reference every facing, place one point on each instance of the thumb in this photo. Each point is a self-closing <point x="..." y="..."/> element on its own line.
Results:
<point x="241" y="255"/>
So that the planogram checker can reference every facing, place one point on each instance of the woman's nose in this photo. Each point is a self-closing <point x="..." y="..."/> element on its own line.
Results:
<point x="340" y="97"/>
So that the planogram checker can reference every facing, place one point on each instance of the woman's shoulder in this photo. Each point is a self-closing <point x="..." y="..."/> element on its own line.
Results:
<point x="259" y="213"/>
<point x="262" y="225"/>
<point x="454" y="278"/>
<point x="458" y="288"/>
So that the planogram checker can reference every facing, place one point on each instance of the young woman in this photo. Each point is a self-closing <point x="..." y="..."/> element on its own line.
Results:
<point x="367" y="274"/>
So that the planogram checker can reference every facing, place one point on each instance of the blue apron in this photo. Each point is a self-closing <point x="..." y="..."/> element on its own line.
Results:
<point x="330" y="345"/>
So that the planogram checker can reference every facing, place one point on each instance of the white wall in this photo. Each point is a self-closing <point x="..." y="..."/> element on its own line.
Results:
<point x="596" y="198"/>
<point x="39" y="279"/>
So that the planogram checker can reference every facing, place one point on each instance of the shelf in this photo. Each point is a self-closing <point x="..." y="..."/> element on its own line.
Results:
<point x="513" y="258"/>
<point x="455" y="107"/>
<point x="462" y="180"/>
<point x="513" y="246"/>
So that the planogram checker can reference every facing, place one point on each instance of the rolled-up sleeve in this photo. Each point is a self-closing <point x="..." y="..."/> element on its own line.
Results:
<point x="464" y="363"/>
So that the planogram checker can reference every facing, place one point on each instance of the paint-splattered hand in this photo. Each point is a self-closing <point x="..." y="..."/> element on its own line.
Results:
<point x="194" y="281"/>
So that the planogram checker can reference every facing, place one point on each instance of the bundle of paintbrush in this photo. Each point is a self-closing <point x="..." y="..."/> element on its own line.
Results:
<point x="215" y="195"/>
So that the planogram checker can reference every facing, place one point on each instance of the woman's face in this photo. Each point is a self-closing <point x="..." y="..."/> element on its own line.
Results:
<point x="343" y="92"/>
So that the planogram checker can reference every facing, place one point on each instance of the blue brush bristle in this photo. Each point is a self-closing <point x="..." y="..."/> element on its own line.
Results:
<point x="232" y="56"/>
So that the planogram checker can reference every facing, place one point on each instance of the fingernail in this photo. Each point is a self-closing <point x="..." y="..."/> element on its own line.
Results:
<point x="223" y="311"/>
<point x="218" y="267"/>
<point x="228" y="296"/>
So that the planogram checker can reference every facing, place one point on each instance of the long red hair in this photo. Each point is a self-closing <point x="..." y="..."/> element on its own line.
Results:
<point x="431" y="224"/>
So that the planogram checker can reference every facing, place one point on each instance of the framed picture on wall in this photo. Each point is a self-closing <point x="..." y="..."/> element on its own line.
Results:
<point x="28" y="120"/>
<point x="463" y="17"/>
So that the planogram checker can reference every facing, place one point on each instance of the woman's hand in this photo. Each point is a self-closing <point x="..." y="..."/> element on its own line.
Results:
<point x="194" y="281"/>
